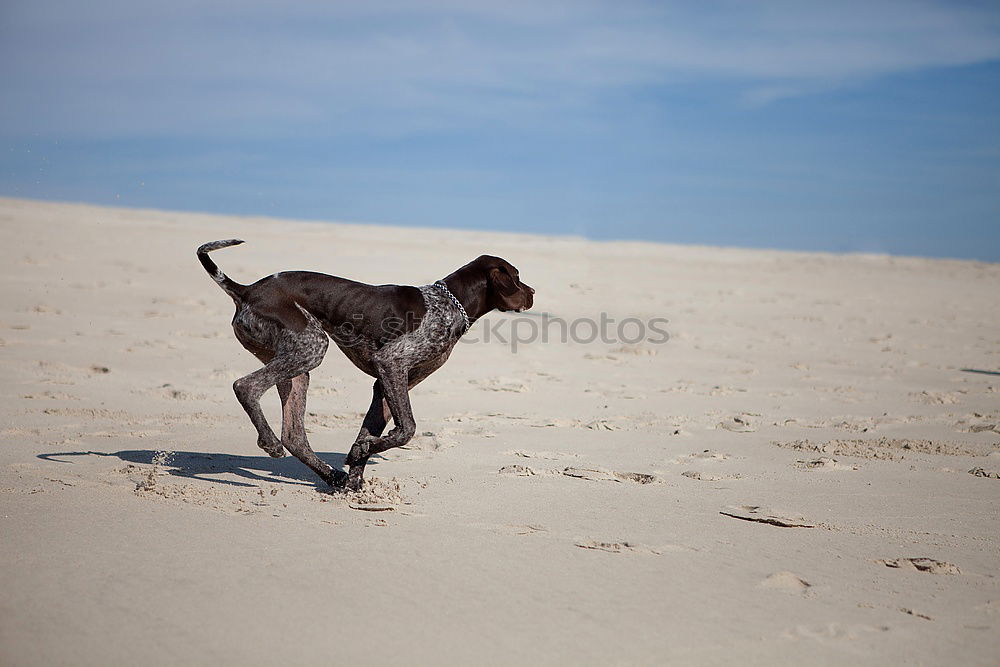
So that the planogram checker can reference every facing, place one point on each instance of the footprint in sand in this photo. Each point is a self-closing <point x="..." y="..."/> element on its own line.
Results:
<point x="169" y="391"/>
<point x="64" y="373"/>
<point x="517" y="470"/>
<point x="835" y="631"/>
<point x="43" y="308"/>
<point x="938" y="397"/>
<point x="552" y="456"/>
<point x="787" y="582"/>
<point x="522" y="529"/>
<point x="725" y="390"/>
<point x="704" y="455"/>
<point x="741" y="423"/>
<point x="887" y="449"/>
<point x="602" y="425"/>
<point x="53" y="395"/>
<point x="590" y="356"/>
<point x="765" y="515"/>
<point x="823" y="463"/>
<point x="549" y="423"/>
<point x="928" y="565"/>
<point x="636" y="350"/>
<point x="227" y="375"/>
<point x="803" y="423"/>
<point x="599" y="475"/>
<point x="429" y="441"/>
<point x="706" y="477"/>
<point x="500" y="384"/>
<point x="618" y="547"/>
<point x="975" y="423"/>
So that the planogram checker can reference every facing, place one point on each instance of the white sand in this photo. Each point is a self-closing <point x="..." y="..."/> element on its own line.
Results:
<point x="803" y="389"/>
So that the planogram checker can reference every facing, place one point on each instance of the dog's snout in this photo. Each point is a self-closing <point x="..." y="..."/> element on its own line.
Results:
<point x="529" y="297"/>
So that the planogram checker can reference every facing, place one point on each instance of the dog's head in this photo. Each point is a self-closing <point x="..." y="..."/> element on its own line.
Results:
<point x="505" y="291"/>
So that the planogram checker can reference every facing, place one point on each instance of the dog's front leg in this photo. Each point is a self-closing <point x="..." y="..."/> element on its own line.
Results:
<point x="393" y="384"/>
<point x="377" y="417"/>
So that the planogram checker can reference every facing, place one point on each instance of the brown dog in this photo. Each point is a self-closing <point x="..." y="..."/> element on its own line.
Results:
<point x="397" y="334"/>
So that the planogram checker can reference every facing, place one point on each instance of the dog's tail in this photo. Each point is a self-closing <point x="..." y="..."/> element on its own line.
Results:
<point x="230" y="287"/>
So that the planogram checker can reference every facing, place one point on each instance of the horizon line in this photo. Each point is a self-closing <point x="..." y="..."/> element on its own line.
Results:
<point x="862" y="254"/>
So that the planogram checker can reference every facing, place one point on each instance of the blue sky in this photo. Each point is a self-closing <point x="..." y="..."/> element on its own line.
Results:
<point x="868" y="126"/>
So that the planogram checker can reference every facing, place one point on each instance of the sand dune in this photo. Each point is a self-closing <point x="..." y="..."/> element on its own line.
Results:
<point x="804" y="473"/>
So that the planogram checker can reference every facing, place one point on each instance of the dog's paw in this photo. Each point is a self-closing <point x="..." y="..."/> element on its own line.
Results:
<point x="272" y="447"/>
<point x="359" y="451"/>
<point x="337" y="479"/>
<point x="356" y="480"/>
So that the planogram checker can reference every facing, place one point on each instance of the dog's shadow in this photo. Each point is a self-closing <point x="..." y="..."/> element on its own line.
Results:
<point x="209" y="466"/>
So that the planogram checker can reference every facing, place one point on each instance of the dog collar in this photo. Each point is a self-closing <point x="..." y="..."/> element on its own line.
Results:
<point x="465" y="317"/>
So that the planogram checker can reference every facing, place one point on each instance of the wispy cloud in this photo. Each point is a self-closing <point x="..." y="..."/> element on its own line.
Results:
<point x="109" y="67"/>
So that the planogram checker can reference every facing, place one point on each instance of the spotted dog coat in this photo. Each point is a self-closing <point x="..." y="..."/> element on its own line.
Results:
<point x="397" y="334"/>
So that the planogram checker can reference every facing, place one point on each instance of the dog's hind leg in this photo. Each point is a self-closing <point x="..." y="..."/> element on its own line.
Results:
<point x="293" y="430"/>
<point x="296" y="353"/>
<point x="248" y="390"/>
<point x="288" y="410"/>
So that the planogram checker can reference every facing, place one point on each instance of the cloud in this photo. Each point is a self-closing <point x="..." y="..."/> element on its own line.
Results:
<point x="242" y="67"/>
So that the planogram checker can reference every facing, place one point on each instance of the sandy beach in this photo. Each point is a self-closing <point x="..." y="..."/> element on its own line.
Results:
<point x="806" y="472"/>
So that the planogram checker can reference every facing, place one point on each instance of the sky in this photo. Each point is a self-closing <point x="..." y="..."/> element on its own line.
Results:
<point x="834" y="126"/>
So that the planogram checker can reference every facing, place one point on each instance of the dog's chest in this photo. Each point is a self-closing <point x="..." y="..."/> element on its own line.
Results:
<point x="439" y="330"/>
<point x="424" y="349"/>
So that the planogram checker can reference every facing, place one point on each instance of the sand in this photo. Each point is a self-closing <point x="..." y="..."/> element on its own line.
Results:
<point x="804" y="473"/>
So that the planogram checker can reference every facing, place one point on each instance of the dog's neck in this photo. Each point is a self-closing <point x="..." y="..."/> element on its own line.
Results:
<point x="441" y="285"/>
<point x="471" y="291"/>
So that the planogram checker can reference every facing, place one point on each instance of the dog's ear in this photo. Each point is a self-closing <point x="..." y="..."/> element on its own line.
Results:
<point x="503" y="283"/>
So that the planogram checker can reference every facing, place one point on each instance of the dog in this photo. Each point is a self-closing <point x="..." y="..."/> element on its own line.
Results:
<point x="397" y="334"/>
